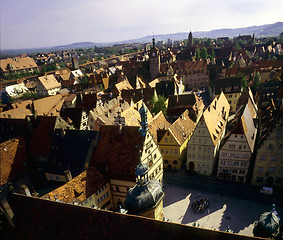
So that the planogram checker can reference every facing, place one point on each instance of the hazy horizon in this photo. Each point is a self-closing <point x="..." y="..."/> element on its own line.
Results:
<point x="40" y="24"/>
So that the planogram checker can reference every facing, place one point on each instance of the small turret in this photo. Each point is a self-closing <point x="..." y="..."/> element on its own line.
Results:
<point x="144" y="123"/>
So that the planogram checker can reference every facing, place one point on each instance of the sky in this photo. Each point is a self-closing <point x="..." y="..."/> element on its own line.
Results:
<point x="47" y="23"/>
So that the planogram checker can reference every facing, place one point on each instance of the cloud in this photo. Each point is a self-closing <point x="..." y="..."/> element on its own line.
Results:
<point x="33" y="23"/>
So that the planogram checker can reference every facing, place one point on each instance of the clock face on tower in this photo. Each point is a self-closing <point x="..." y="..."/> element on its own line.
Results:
<point x="153" y="54"/>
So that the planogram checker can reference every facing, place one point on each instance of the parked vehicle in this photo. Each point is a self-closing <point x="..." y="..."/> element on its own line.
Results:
<point x="266" y="190"/>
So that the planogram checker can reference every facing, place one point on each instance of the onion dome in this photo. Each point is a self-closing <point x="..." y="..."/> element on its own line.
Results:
<point x="268" y="224"/>
<point x="144" y="197"/>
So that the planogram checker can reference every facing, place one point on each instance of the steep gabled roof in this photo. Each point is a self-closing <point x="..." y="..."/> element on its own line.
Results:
<point x="123" y="85"/>
<point x="64" y="74"/>
<point x="177" y="104"/>
<point x="17" y="63"/>
<point x="182" y="127"/>
<point x="243" y="123"/>
<point x="137" y="94"/>
<point x="228" y="85"/>
<point x="13" y="128"/>
<point x="17" y="113"/>
<point x="117" y="153"/>
<point x="249" y="127"/>
<point x="79" y="188"/>
<point x="48" y="106"/>
<point x="71" y="150"/>
<point x="132" y="115"/>
<point x="13" y="157"/>
<point x="215" y="117"/>
<point x="49" y="82"/>
<point x="41" y="139"/>
<point x="158" y="122"/>
<point x="247" y="98"/>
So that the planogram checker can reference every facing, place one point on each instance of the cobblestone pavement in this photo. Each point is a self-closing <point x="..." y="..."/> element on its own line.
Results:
<point x="237" y="213"/>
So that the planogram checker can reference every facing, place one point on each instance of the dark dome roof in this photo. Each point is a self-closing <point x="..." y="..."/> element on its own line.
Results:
<point x="141" y="169"/>
<point x="142" y="198"/>
<point x="267" y="225"/>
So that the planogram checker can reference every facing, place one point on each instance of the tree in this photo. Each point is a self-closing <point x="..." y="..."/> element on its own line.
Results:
<point x="208" y="42"/>
<point x="197" y="54"/>
<point x="158" y="104"/>
<point x="203" y="53"/>
<point x="256" y="82"/>
<point x="84" y="82"/>
<point x="35" y="72"/>
<point x="30" y="95"/>
<point x="237" y="46"/>
<point x="244" y="81"/>
<point x="212" y="55"/>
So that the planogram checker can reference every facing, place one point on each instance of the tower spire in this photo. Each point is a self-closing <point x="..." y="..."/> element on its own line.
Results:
<point x="144" y="123"/>
<point x="153" y="40"/>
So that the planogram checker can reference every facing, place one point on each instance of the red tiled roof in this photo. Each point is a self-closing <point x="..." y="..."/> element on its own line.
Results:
<point x="41" y="139"/>
<point x="185" y="67"/>
<point x="117" y="153"/>
<point x="13" y="157"/>
<point x="85" y="184"/>
<point x="157" y="123"/>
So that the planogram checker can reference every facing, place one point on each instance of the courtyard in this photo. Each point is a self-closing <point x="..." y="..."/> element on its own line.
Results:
<point x="224" y="211"/>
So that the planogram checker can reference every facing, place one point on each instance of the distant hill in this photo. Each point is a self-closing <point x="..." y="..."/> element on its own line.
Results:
<point x="260" y="31"/>
<point x="78" y="45"/>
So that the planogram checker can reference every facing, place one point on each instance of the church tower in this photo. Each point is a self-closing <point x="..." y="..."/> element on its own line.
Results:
<point x="154" y="61"/>
<point x="190" y="40"/>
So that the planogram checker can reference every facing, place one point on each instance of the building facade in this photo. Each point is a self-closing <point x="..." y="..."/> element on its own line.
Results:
<point x="205" y="141"/>
<point x="47" y="85"/>
<point x="235" y="155"/>
<point x="268" y="169"/>
<point x="173" y="145"/>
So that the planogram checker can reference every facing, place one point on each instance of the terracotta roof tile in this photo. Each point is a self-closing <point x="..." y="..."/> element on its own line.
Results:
<point x="18" y="63"/>
<point x="12" y="128"/>
<point x="13" y="156"/>
<point x="41" y="139"/>
<point x="48" y="106"/>
<point x="17" y="113"/>
<point x="157" y="123"/>
<point x="183" y="127"/>
<point x="178" y="104"/>
<point x="49" y="82"/>
<point x="132" y="115"/>
<point x="215" y="117"/>
<point x="79" y="188"/>
<point x="117" y="153"/>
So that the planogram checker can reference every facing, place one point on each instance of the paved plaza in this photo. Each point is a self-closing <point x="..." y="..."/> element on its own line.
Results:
<point x="237" y="213"/>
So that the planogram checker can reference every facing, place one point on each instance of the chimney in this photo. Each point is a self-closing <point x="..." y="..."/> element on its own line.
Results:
<point x="68" y="175"/>
<point x="7" y="211"/>
<point x="25" y="190"/>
